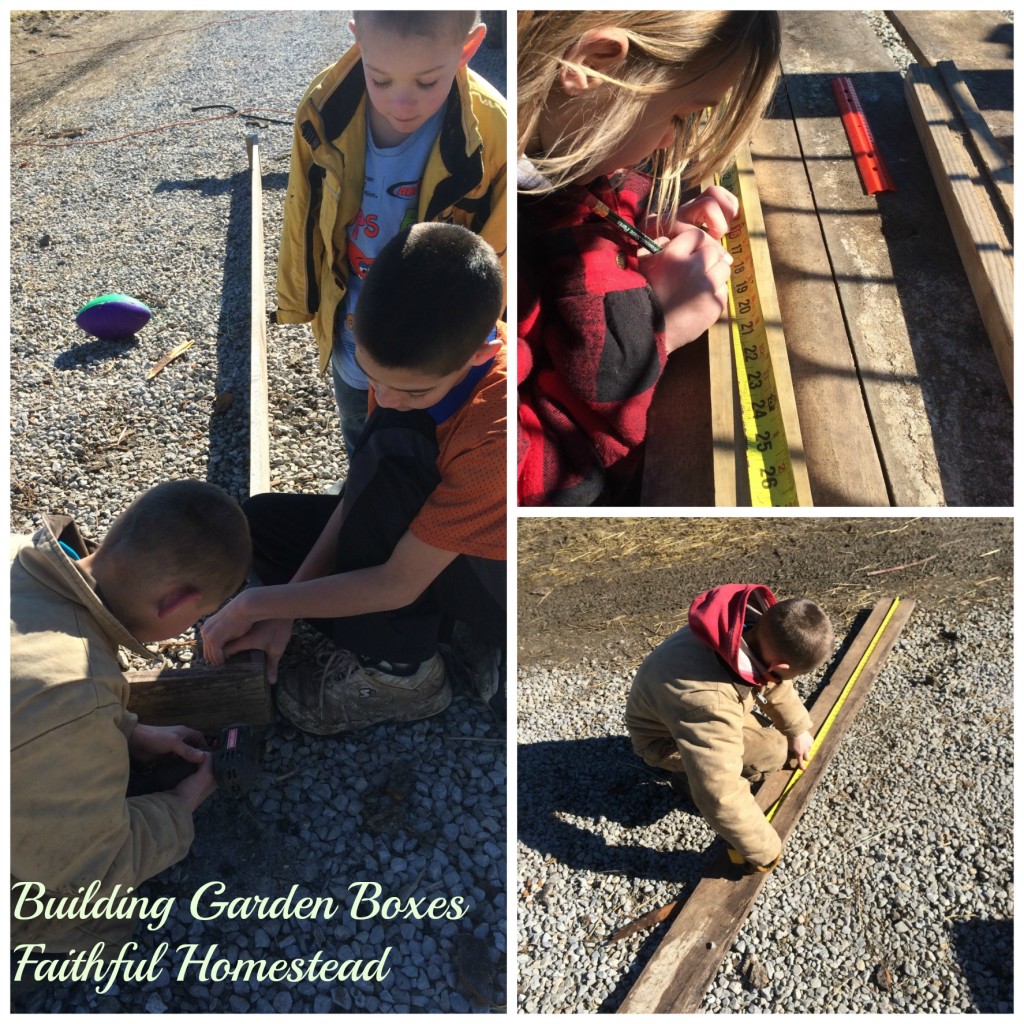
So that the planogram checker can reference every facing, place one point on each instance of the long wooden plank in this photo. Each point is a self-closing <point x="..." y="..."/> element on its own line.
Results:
<point x="842" y="455"/>
<point x="259" y="426"/>
<point x="685" y="963"/>
<point x="938" y="405"/>
<point x="968" y="205"/>
<point x="205" y="697"/>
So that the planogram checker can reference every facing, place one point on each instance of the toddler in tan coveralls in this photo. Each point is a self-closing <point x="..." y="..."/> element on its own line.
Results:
<point x="691" y="706"/>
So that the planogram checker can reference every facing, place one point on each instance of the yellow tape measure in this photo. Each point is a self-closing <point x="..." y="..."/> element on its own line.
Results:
<point x="769" y="469"/>
<point x="829" y="720"/>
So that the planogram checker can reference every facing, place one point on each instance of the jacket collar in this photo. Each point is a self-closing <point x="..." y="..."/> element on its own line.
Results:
<point x="46" y="561"/>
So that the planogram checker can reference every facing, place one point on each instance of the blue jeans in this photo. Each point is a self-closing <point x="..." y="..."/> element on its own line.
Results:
<point x="351" y="409"/>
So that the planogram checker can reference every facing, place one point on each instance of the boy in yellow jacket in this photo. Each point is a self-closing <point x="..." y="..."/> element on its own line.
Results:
<point x="691" y="705"/>
<point x="398" y="131"/>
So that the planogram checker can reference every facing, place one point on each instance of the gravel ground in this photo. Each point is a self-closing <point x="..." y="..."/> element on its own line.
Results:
<point x="895" y="890"/>
<point x="164" y="216"/>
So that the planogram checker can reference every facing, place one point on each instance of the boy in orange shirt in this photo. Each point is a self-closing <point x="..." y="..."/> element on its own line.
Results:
<point x="417" y="537"/>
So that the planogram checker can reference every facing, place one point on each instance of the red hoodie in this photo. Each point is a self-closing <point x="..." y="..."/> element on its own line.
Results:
<point x="718" y="618"/>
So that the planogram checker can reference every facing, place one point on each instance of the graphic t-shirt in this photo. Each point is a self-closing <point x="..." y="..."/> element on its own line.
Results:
<point x="391" y="189"/>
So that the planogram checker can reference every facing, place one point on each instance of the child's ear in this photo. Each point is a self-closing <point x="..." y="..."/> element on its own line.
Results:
<point x="487" y="351"/>
<point x="472" y="44"/>
<point x="600" y="49"/>
<point x="352" y="29"/>
<point x="176" y="599"/>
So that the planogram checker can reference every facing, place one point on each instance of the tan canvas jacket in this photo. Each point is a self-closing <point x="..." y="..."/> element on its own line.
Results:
<point x="71" y="823"/>
<point x="681" y="690"/>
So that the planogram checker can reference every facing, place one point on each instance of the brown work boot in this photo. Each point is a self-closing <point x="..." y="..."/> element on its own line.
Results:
<point x="338" y="693"/>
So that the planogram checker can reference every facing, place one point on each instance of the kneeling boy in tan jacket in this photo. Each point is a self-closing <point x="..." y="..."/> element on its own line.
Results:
<point x="691" y="706"/>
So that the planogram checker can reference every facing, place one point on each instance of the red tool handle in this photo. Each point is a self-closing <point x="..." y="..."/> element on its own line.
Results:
<point x="873" y="172"/>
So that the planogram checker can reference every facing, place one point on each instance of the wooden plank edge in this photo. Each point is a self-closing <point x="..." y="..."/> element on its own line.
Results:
<point x="989" y="272"/>
<point x="259" y="426"/>
<point x="658" y="988"/>
<point x="990" y="153"/>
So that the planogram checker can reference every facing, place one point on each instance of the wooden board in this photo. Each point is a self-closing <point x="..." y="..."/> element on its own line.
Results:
<point x="981" y="45"/>
<point x="937" y="402"/>
<point x="993" y="159"/>
<point x="207" y="698"/>
<point x="259" y="427"/>
<point x="677" y="977"/>
<point x="677" y="453"/>
<point x="843" y="464"/>
<point x="968" y="200"/>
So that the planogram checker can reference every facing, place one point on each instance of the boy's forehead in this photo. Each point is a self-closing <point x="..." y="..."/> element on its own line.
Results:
<point x="384" y="38"/>
<point x="397" y="380"/>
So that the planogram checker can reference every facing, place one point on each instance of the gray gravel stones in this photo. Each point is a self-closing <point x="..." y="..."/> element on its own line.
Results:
<point x="418" y="809"/>
<point x="894" y="894"/>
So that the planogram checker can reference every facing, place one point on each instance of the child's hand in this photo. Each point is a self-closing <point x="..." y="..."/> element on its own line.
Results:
<point x="801" y="747"/>
<point x="690" y="278"/>
<point x="224" y="626"/>
<point x="270" y="636"/>
<point x="148" y="742"/>
<point x="713" y="210"/>
<point x="195" y="788"/>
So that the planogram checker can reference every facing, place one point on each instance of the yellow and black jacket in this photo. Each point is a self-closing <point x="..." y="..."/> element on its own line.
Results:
<point x="464" y="183"/>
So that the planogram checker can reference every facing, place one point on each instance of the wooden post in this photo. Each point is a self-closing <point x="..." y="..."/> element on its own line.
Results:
<point x="206" y="698"/>
<point x="682" y="968"/>
<point x="259" y="428"/>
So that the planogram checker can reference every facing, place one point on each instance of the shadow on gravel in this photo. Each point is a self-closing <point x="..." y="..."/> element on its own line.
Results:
<point x="229" y="430"/>
<point x="985" y="950"/>
<point x="94" y="350"/>
<point x="600" y="781"/>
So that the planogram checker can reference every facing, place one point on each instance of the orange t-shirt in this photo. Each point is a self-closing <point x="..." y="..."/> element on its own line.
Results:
<point x="467" y="510"/>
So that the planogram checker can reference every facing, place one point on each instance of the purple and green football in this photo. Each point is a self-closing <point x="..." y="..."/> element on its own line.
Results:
<point x="113" y="316"/>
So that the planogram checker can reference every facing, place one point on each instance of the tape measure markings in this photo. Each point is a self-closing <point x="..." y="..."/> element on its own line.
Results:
<point x="769" y="466"/>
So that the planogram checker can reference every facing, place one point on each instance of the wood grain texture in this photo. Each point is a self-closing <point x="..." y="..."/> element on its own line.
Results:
<point x="969" y="209"/>
<point x="843" y="461"/>
<point x="207" y="698"/>
<point x="677" y="452"/>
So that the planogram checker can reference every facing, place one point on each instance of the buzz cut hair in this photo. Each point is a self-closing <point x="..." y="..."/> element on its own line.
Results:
<point x="432" y="297"/>
<point x="454" y="24"/>
<point x="800" y="632"/>
<point x="186" y="532"/>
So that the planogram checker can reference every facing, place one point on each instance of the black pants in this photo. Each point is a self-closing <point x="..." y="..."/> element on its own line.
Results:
<point x="393" y="472"/>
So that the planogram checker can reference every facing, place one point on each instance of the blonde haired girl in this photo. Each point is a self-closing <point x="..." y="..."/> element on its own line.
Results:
<point x="620" y="112"/>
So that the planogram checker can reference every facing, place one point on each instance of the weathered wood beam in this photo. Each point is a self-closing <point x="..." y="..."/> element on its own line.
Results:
<point x="843" y="461"/>
<point x="259" y="427"/>
<point x="205" y="697"/>
<point x="983" y="247"/>
<point x="682" y="968"/>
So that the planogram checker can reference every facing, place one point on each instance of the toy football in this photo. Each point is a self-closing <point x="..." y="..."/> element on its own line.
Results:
<point x="113" y="316"/>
